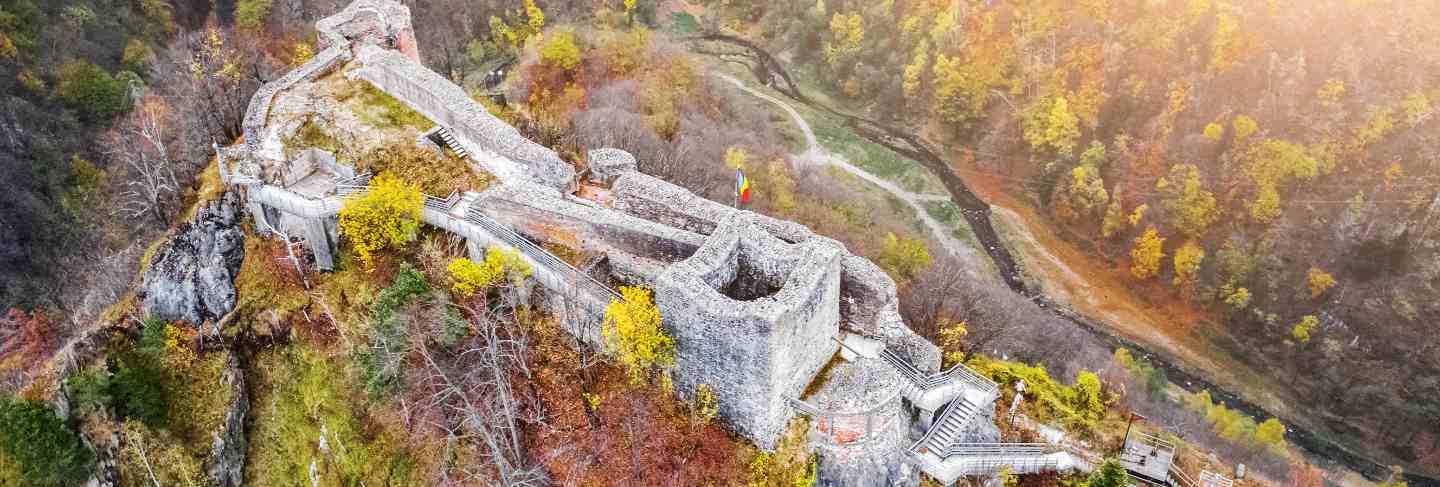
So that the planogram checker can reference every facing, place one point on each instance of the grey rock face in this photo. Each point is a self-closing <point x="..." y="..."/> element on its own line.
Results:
<point x="192" y="276"/>
<point x="226" y="465"/>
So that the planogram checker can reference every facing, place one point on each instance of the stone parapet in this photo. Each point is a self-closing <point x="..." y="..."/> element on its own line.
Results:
<point x="755" y="319"/>
<point x="491" y="142"/>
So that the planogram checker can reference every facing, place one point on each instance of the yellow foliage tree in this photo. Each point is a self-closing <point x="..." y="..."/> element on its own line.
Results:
<point x="1055" y="127"/>
<point x="467" y="276"/>
<point x="1087" y="189"/>
<point x="633" y="334"/>
<point x="1228" y="45"/>
<point x="1138" y="214"/>
<point x="1186" y="199"/>
<point x="1319" y="281"/>
<point x="1332" y="91"/>
<point x="561" y="51"/>
<point x="1187" y="264"/>
<point x="1087" y="395"/>
<point x="514" y="33"/>
<point x="1271" y="433"/>
<point x="911" y="78"/>
<point x="1145" y="256"/>
<point x="846" y="33"/>
<point x="387" y="216"/>
<point x="1305" y="328"/>
<point x="1237" y="298"/>
<point x="1114" y="220"/>
<point x="1214" y="131"/>
<point x="1244" y="127"/>
<point x="736" y="157"/>
<point x="903" y="257"/>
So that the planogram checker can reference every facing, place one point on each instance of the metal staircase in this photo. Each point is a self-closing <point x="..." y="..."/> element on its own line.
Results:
<point x="914" y="378"/>
<point x="942" y="434"/>
<point x="450" y="142"/>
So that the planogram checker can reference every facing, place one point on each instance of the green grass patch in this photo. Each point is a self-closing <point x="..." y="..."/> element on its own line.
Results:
<point x="379" y="109"/>
<point x="311" y="135"/>
<point x="303" y="400"/>
<point x="436" y="174"/>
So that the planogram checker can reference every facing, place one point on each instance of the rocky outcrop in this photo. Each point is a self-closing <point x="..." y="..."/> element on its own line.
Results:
<point x="226" y="464"/>
<point x="192" y="276"/>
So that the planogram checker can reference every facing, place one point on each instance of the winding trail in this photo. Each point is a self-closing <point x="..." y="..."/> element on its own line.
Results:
<point x="816" y="154"/>
<point x="1318" y="449"/>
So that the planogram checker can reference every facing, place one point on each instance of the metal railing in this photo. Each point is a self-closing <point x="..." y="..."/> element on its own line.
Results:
<point x="536" y="253"/>
<point x="996" y="449"/>
<point x="362" y="179"/>
<point x="918" y="378"/>
<point x="1209" y="479"/>
<point x="1181" y="479"/>
<point x="830" y="424"/>
<point x="957" y="415"/>
<point x="540" y="255"/>
<point x="907" y="370"/>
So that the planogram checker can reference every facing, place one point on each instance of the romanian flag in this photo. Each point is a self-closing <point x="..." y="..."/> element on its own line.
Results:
<point x="742" y="187"/>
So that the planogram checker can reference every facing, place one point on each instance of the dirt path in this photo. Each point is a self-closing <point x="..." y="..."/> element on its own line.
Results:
<point x="815" y="154"/>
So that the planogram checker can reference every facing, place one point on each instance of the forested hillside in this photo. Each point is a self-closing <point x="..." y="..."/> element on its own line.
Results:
<point x="1272" y="165"/>
<point x="1263" y="176"/>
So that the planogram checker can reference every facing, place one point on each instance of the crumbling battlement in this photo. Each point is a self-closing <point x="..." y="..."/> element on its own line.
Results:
<point x="370" y="22"/>
<point x="754" y="303"/>
<point x="493" y="143"/>
<point x="637" y="250"/>
<point x="868" y="301"/>
<point x="257" y="114"/>
<point x="755" y="319"/>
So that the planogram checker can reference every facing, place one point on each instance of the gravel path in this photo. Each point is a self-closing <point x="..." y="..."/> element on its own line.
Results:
<point x="817" y="155"/>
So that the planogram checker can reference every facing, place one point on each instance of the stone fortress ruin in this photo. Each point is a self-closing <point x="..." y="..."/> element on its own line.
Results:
<point x="777" y="320"/>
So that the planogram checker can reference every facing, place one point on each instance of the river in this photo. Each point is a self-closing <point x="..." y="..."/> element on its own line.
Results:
<point x="977" y="214"/>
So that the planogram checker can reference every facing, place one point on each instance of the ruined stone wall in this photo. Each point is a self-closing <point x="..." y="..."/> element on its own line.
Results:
<point x="370" y="22"/>
<point x="868" y="301"/>
<point x="487" y="138"/>
<point x="753" y="351"/>
<point x="546" y="216"/>
<point x="257" y="114"/>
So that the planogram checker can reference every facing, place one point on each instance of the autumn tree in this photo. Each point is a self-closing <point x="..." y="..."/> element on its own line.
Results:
<point x="1087" y="400"/>
<point x="1086" y="191"/>
<point x="1306" y="475"/>
<point x="1191" y="207"/>
<point x="251" y="14"/>
<point x="561" y="51"/>
<point x="1270" y="165"/>
<point x="1214" y="131"/>
<point x="633" y="333"/>
<point x="1319" y="281"/>
<point x="847" y="31"/>
<point x="386" y="216"/>
<point x="1271" y="433"/>
<point x="468" y="276"/>
<point x="1305" y="328"/>
<point x="1114" y="220"/>
<point x="1146" y="254"/>
<point x="511" y="32"/>
<point x="143" y="144"/>
<point x="903" y="257"/>
<point x="1052" y="126"/>
<point x="1187" y="264"/>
